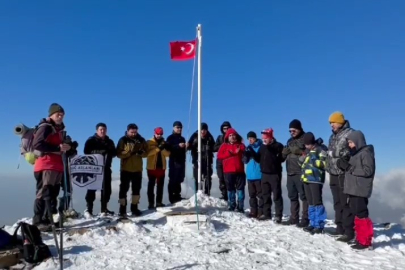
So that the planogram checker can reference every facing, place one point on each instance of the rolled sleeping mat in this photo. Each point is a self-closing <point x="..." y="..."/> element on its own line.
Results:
<point x="21" y="129"/>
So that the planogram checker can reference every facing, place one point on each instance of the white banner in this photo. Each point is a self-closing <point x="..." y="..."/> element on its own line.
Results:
<point x="87" y="171"/>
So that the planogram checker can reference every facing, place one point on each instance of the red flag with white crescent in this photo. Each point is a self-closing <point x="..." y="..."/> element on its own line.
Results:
<point x="183" y="50"/>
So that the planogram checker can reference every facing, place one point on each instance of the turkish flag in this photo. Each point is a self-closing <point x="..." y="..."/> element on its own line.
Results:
<point x="182" y="50"/>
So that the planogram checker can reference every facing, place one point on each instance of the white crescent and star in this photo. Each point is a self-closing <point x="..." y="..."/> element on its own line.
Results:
<point x="190" y="50"/>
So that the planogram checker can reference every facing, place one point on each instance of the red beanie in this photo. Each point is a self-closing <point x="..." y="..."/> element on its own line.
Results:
<point x="159" y="131"/>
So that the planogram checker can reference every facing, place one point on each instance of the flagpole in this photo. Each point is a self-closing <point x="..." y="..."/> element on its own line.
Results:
<point x="199" y="103"/>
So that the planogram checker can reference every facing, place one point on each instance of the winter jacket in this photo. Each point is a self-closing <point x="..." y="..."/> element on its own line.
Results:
<point x="296" y="149"/>
<point x="156" y="158"/>
<point x="220" y="141"/>
<point x="313" y="166"/>
<point x="177" y="154"/>
<point x="338" y="148"/>
<point x="47" y="140"/>
<point x="253" y="171"/>
<point x="270" y="157"/>
<point x="359" y="176"/>
<point x="131" y="151"/>
<point x="207" y="148"/>
<point x="231" y="160"/>
<point x="104" y="147"/>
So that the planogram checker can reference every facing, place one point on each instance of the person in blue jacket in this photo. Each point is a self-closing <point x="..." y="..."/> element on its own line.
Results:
<point x="254" y="176"/>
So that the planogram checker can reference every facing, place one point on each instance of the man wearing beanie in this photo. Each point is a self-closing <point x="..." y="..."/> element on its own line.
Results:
<point x="220" y="171"/>
<point x="207" y="157"/>
<point x="177" y="162"/>
<point x="101" y="144"/>
<point x="131" y="148"/>
<point x="158" y="151"/>
<point x="48" y="167"/>
<point x="291" y="153"/>
<point x="338" y="150"/>
<point x="269" y="157"/>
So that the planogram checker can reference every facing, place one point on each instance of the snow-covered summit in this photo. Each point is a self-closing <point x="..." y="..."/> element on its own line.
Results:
<point x="232" y="241"/>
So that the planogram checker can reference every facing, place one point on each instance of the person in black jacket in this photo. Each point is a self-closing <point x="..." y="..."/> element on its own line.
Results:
<point x="100" y="143"/>
<point x="220" y="171"/>
<point x="291" y="153"/>
<point x="207" y="156"/>
<point x="270" y="158"/>
<point x="177" y="162"/>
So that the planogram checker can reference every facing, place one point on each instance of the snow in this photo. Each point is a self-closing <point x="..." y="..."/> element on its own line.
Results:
<point x="227" y="240"/>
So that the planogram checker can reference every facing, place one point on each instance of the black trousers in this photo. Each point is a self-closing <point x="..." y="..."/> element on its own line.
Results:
<point x="221" y="178"/>
<point x="177" y="173"/>
<point x="105" y="193"/>
<point x="155" y="177"/>
<point x="296" y="191"/>
<point x="313" y="193"/>
<point x="133" y="179"/>
<point x="358" y="206"/>
<point x="343" y="217"/>
<point x="206" y="176"/>
<point x="255" y="197"/>
<point x="271" y="184"/>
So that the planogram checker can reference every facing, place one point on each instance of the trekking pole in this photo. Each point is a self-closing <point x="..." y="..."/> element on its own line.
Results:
<point x="61" y="208"/>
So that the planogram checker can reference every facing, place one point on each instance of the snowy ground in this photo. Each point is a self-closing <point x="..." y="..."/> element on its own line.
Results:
<point x="229" y="241"/>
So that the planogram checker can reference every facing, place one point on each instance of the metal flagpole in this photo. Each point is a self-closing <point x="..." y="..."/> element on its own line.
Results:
<point x="199" y="103"/>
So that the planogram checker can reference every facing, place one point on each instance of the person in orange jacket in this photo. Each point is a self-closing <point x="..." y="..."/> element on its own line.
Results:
<point x="231" y="154"/>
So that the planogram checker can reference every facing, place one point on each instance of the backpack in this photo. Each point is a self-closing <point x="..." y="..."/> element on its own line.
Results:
<point x="27" y="138"/>
<point x="34" y="249"/>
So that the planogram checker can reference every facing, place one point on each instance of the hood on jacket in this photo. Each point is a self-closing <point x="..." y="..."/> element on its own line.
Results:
<point x="358" y="138"/>
<point x="225" y="124"/>
<point x="229" y="132"/>
<point x="345" y="126"/>
<point x="258" y="143"/>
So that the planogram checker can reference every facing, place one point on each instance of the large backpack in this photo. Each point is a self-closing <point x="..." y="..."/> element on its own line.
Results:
<point x="27" y="138"/>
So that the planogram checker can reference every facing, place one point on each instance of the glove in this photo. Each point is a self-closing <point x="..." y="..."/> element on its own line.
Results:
<point x="342" y="164"/>
<point x="101" y="152"/>
<point x="250" y="148"/>
<point x="286" y="151"/>
<point x="295" y="150"/>
<point x="140" y="152"/>
<point x="161" y="146"/>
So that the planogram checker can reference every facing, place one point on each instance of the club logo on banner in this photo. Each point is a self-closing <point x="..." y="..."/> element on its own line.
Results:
<point x="87" y="171"/>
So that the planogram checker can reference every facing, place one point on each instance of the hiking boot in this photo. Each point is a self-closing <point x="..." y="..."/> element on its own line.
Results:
<point x="344" y="238"/>
<point x="160" y="205"/>
<point x="264" y="217"/>
<point x="135" y="211"/>
<point x="308" y="229"/>
<point x="230" y="208"/>
<point x="290" y="222"/>
<point x="252" y="215"/>
<point x="359" y="246"/>
<point x="277" y="220"/>
<point x="303" y="224"/>
<point x="317" y="231"/>
<point x="105" y="212"/>
<point x="151" y="207"/>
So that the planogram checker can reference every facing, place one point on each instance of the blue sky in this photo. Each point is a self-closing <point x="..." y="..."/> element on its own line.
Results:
<point x="264" y="64"/>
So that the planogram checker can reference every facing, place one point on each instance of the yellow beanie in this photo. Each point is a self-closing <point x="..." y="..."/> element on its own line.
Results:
<point x="337" y="117"/>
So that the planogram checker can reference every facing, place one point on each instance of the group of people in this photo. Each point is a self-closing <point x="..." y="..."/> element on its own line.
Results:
<point x="347" y="158"/>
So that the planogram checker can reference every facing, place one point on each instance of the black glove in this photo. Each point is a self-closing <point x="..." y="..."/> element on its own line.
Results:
<point x="161" y="146"/>
<point x="343" y="164"/>
<point x="140" y="152"/>
<point x="250" y="148"/>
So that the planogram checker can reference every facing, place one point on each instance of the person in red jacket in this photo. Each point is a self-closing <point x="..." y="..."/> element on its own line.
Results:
<point x="49" y="167"/>
<point x="231" y="154"/>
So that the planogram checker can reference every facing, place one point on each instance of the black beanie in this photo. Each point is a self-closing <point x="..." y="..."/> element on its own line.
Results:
<point x="177" y="124"/>
<point x="101" y="125"/>
<point x="55" y="108"/>
<point x="132" y="126"/>
<point x="251" y="134"/>
<point x="309" y="138"/>
<point x="204" y="126"/>
<point x="296" y="124"/>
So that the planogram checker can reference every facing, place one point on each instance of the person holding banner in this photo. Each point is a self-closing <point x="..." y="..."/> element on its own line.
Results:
<point x="158" y="151"/>
<point x="101" y="144"/>
<point x="130" y="149"/>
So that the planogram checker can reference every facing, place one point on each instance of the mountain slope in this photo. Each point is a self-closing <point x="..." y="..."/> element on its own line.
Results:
<point x="228" y="241"/>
